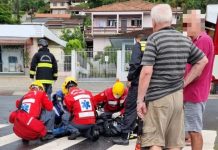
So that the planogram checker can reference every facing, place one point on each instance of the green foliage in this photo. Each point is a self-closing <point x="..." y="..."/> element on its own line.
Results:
<point x="35" y="5"/>
<point x="75" y="40"/>
<point x="6" y="14"/>
<point x="73" y="44"/>
<point x="83" y="5"/>
<point x="87" y="21"/>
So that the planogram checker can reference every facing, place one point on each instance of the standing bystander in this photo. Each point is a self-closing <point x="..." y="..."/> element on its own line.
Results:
<point x="196" y="93"/>
<point x="162" y="80"/>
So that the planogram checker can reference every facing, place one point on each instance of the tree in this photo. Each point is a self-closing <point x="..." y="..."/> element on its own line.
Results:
<point x="73" y="44"/>
<point x="5" y="14"/>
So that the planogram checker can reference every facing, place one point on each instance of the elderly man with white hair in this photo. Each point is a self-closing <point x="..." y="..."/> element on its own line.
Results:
<point x="161" y="83"/>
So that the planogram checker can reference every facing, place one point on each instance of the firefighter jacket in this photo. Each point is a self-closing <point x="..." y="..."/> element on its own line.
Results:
<point x="26" y="119"/>
<point x="34" y="101"/>
<point x="111" y="104"/>
<point x="135" y="63"/>
<point x="44" y="66"/>
<point x="80" y="104"/>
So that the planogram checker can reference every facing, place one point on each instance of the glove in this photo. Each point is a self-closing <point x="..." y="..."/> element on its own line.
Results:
<point x="99" y="112"/>
<point x="116" y="114"/>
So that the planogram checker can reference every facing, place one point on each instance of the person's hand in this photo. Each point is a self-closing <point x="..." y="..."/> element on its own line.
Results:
<point x="116" y="114"/>
<point x="99" y="112"/>
<point x="141" y="109"/>
<point x="128" y="84"/>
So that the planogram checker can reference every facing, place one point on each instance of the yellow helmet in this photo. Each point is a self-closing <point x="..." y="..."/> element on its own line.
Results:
<point x="64" y="90"/>
<point x="66" y="81"/>
<point x="118" y="88"/>
<point x="37" y="83"/>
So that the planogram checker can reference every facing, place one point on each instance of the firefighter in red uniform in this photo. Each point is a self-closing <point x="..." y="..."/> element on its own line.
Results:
<point x="28" y="120"/>
<point x="82" y="109"/>
<point x="113" y="100"/>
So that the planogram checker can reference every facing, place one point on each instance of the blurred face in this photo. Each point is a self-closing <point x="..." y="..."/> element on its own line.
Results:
<point x="193" y="23"/>
<point x="116" y="96"/>
<point x="35" y="88"/>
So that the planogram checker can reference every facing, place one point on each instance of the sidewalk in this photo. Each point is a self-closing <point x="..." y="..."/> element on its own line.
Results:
<point x="18" y="85"/>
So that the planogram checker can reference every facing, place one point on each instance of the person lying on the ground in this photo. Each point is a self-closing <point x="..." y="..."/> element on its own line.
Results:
<point x="30" y="121"/>
<point x="110" y="104"/>
<point x="81" y="118"/>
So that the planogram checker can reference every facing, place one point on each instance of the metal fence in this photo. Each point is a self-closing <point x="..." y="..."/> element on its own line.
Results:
<point x="94" y="64"/>
<point x="98" y="64"/>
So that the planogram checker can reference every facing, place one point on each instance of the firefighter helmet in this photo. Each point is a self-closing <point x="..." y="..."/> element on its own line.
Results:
<point x="118" y="88"/>
<point x="68" y="82"/>
<point x="38" y="84"/>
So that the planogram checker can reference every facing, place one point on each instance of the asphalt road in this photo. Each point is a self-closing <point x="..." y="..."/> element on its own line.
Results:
<point x="7" y="104"/>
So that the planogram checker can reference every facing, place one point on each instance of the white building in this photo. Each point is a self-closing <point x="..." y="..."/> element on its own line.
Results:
<point x="120" y="17"/>
<point x="18" y="44"/>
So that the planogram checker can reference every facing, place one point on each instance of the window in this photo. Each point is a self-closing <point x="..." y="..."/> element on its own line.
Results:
<point x="111" y="22"/>
<point x="12" y="59"/>
<point x="55" y="4"/>
<point x="62" y="4"/>
<point x="136" y="22"/>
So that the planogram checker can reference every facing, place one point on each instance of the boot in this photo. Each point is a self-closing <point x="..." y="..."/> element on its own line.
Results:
<point x="48" y="136"/>
<point x="73" y="136"/>
<point x="123" y="140"/>
<point x="25" y="142"/>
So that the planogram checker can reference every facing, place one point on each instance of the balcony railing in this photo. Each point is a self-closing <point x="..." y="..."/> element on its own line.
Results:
<point x="113" y="30"/>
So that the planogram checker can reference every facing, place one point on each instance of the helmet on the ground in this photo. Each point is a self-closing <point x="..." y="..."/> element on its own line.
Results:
<point x="68" y="82"/>
<point x="38" y="84"/>
<point x="118" y="88"/>
<point x="43" y="42"/>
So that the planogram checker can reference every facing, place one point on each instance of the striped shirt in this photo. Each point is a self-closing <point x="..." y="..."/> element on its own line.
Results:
<point x="168" y="51"/>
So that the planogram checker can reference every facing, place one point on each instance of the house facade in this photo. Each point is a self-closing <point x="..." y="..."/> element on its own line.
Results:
<point x="59" y="6"/>
<point x="18" y="44"/>
<point x="118" y="18"/>
<point x="67" y="7"/>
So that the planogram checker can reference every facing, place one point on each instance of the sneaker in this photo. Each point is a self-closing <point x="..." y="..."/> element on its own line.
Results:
<point x="25" y="142"/>
<point x="47" y="137"/>
<point x="121" y="141"/>
<point x="73" y="136"/>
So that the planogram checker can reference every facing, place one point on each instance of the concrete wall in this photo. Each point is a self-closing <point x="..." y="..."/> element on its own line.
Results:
<point x="99" y="43"/>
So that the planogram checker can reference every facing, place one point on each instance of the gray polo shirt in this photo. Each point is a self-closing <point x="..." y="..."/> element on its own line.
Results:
<point x="168" y="51"/>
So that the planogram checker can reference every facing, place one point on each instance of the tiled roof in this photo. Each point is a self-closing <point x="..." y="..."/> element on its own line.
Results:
<point x="73" y="22"/>
<point x="131" y="5"/>
<point x="52" y="15"/>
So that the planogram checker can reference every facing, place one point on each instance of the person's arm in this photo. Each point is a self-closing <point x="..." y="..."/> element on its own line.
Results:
<point x="135" y="62"/>
<point x="99" y="98"/>
<point x="55" y="69"/>
<point x="198" y="60"/>
<point x="46" y="103"/>
<point x="195" y="71"/>
<point x="144" y="80"/>
<point x="33" y="66"/>
<point x="148" y="61"/>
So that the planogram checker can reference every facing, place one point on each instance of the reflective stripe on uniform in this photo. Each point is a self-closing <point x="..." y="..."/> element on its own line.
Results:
<point x="55" y="75"/>
<point x="48" y="65"/>
<point x="112" y="102"/>
<point x="82" y="96"/>
<point x="86" y="114"/>
<point x="121" y="101"/>
<point x="46" y="81"/>
<point x="143" y="45"/>
<point x="32" y="72"/>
